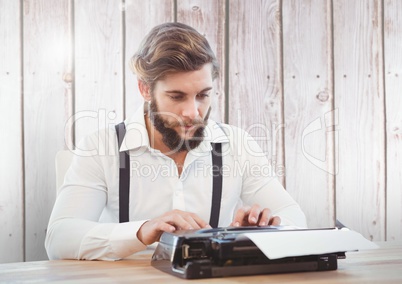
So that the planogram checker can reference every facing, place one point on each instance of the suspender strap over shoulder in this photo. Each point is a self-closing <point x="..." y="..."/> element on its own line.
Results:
<point x="217" y="184"/>
<point x="124" y="176"/>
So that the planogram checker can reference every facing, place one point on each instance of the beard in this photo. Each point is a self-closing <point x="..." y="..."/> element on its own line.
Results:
<point x="170" y="137"/>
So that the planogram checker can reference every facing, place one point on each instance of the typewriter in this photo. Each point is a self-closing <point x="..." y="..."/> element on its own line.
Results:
<point x="222" y="252"/>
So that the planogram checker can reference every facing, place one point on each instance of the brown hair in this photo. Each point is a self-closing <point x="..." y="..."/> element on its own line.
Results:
<point x="169" y="48"/>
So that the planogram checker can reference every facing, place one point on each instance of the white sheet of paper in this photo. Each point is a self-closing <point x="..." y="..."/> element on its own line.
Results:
<point x="308" y="242"/>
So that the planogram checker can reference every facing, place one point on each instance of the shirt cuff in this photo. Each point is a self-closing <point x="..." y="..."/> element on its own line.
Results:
<point x="124" y="241"/>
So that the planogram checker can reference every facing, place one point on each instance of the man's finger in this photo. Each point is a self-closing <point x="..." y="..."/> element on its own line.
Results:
<point x="275" y="221"/>
<point x="240" y="215"/>
<point x="184" y="220"/>
<point x="194" y="222"/>
<point x="254" y="214"/>
<point x="265" y="217"/>
<point x="200" y="222"/>
<point x="176" y="220"/>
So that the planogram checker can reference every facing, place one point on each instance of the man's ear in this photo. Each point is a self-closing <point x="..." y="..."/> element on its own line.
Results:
<point x="144" y="90"/>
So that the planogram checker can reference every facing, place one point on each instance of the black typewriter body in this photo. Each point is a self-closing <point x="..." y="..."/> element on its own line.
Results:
<point x="219" y="253"/>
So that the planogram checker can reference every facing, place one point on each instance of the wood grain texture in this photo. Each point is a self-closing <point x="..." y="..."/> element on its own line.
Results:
<point x="11" y="148"/>
<point x="255" y="94"/>
<point x="208" y="17"/>
<point x="393" y="83"/>
<point x="140" y="17"/>
<point x="308" y="108"/>
<point x="360" y="183"/>
<point x="98" y="65"/>
<point x="381" y="265"/>
<point x="45" y="61"/>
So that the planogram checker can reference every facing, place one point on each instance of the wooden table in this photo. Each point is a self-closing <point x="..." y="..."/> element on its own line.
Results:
<point x="383" y="265"/>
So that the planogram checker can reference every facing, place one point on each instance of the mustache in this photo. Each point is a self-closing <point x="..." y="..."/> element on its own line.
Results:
<point x="198" y="122"/>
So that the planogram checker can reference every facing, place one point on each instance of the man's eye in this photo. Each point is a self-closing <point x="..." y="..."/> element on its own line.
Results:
<point x="176" y="98"/>
<point x="202" y="96"/>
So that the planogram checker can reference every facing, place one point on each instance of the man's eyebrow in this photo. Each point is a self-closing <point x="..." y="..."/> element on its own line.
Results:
<point x="183" y="93"/>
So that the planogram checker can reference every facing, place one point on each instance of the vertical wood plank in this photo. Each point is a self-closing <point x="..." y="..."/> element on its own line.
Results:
<point x="208" y="17"/>
<point x="393" y="90"/>
<point x="11" y="149"/>
<point x="308" y="108"/>
<point x="98" y="65"/>
<point x="140" y="17"/>
<point x="360" y="183"/>
<point x="46" y="41"/>
<point x="255" y="94"/>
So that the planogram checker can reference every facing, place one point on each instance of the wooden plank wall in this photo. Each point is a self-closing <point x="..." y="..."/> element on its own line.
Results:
<point x="359" y="96"/>
<point x="316" y="82"/>
<point x="11" y="139"/>
<point x="308" y="107"/>
<point x="45" y="111"/>
<point x="255" y="93"/>
<point x="98" y="64"/>
<point x="393" y="115"/>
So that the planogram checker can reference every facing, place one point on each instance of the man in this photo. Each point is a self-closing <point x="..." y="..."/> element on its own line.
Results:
<point x="169" y="141"/>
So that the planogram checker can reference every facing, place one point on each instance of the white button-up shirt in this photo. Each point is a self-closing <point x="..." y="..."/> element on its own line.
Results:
<point x="84" y="222"/>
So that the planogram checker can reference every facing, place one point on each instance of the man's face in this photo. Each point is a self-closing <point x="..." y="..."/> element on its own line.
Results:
<point x="180" y="107"/>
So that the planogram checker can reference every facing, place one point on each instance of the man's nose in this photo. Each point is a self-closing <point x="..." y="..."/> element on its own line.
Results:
<point x="191" y="109"/>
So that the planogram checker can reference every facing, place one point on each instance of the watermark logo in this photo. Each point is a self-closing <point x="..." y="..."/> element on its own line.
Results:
<point x="326" y="125"/>
<point x="331" y="121"/>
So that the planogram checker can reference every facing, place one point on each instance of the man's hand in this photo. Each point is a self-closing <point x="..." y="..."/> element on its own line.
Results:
<point x="171" y="221"/>
<point x="254" y="216"/>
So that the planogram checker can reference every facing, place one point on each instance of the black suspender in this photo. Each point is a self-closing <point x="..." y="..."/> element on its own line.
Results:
<point x="124" y="179"/>
<point x="217" y="184"/>
<point x="124" y="176"/>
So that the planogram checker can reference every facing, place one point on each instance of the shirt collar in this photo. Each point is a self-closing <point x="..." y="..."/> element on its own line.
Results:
<point x="214" y="133"/>
<point x="136" y="131"/>
<point x="137" y="134"/>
